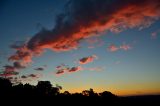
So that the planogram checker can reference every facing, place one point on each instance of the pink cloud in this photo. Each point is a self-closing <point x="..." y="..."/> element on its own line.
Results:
<point x="74" y="69"/>
<point x="155" y="34"/>
<point x="86" y="60"/>
<point x="62" y="69"/>
<point x="113" y="48"/>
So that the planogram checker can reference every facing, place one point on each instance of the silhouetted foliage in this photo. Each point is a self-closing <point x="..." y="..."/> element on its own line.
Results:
<point x="45" y="89"/>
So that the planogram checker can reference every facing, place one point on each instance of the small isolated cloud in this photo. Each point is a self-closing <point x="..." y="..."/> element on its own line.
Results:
<point x="74" y="69"/>
<point x="62" y="69"/>
<point x="113" y="48"/>
<point x="88" y="59"/>
<point x="125" y="47"/>
<point x="155" y="34"/>
<point x="39" y="69"/>
<point x="59" y="72"/>
<point x="32" y="75"/>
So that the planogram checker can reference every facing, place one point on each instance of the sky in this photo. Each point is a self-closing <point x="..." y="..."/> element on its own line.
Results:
<point x="109" y="45"/>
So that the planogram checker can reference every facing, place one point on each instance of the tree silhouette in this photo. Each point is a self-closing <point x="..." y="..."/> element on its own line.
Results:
<point x="5" y="87"/>
<point x="45" y="89"/>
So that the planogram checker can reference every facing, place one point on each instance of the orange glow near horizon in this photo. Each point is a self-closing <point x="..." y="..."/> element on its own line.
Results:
<point x="126" y="90"/>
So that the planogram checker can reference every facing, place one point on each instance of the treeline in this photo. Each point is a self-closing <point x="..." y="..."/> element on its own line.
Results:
<point x="45" y="91"/>
<point x="45" y="88"/>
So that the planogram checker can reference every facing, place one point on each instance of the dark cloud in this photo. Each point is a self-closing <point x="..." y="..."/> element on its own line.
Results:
<point x="61" y="69"/>
<point x="32" y="75"/>
<point x="39" y="69"/>
<point x="88" y="59"/>
<point x="23" y="76"/>
<point x="74" y="69"/>
<point x="60" y="72"/>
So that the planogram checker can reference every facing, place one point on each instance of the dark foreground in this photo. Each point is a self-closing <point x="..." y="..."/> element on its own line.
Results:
<point x="45" y="94"/>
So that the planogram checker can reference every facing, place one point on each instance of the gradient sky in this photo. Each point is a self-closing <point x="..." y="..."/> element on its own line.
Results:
<point x="131" y="71"/>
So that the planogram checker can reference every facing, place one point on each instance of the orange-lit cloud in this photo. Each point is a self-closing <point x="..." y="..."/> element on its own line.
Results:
<point x="84" y="21"/>
<point x="86" y="60"/>
<point x="62" y="69"/>
<point x="74" y="69"/>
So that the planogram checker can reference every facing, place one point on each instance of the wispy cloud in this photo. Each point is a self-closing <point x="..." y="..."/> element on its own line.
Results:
<point x="114" y="48"/>
<point x="125" y="47"/>
<point x="95" y="69"/>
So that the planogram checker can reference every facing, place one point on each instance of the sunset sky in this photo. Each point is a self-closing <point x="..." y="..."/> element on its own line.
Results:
<point x="109" y="45"/>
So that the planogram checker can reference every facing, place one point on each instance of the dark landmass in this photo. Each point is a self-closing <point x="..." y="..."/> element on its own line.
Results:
<point x="45" y="93"/>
